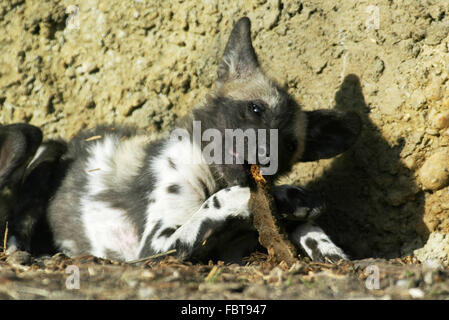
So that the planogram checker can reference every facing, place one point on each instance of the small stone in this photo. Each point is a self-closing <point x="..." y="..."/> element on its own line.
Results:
<point x="92" y="272"/>
<point x="436" y="12"/>
<point x="417" y="99"/>
<point x="147" y="275"/>
<point x="436" y="248"/>
<point x="428" y="278"/>
<point x="378" y="67"/>
<point x="293" y="7"/>
<point x="431" y="264"/>
<point x="441" y="120"/>
<point x="410" y="162"/>
<point x="402" y="283"/>
<point x="436" y="33"/>
<point x="21" y="258"/>
<point x="146" y="293"/>
<point x="416" y="293"/>
<point x="275" y="276"/>
<point x="432" y="132"/>
<point x="433" y="91"/>
<point x="434" y="174"/>
<point x="80" y="70"/>
<point x="70" y="72"/>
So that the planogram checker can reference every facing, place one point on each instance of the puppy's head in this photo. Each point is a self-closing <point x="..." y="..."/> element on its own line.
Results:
<point x="18" y="143"/>
<point x="245" y="98"/>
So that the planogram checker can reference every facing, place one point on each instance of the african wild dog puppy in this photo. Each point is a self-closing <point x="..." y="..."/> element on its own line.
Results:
<point x="29" y="171"/>
<point x="18" y="144"/>
<point x="126" y="196"/>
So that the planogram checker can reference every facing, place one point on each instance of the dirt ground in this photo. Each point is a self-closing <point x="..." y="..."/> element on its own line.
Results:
<point x="59" y="277"/>
<point x="67" y="65"/>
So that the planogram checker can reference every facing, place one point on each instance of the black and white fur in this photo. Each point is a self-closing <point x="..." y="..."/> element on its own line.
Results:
<point x="126" y="196"/>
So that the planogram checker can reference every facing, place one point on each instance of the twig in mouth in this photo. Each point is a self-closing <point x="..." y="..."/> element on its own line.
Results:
<point x="272" y="235"/>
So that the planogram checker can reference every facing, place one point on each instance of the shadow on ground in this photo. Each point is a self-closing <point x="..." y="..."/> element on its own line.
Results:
<point x="375" y="208"/>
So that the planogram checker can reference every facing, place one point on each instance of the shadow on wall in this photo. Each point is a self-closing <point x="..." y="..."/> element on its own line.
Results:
<point x="375" y="208"/>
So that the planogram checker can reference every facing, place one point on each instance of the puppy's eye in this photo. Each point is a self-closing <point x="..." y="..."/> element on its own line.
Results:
<point x="255" y="107"/>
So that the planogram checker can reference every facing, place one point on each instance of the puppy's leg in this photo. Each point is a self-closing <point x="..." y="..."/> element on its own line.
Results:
<point x="318" y="246"/>
<point x="226" y="204"/>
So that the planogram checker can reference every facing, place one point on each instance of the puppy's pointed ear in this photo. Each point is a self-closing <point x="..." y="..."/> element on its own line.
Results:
<point x="330" y="133"/>
<point x="18" y="143"/>
<point x="239" y="60"/>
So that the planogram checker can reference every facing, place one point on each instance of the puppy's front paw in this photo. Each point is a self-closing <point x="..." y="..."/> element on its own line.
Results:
<point x="323" y="250"/>
<point x="318" y="246"/>
<point x="13" y="245"/>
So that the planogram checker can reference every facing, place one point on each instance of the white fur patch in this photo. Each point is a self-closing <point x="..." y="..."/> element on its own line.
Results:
<point x="111" y="162"/>
<point x="38" y="153"/>
<point x="173" y="209"/>
<point x="109" y="229"/>
<point x="233" y="203"/>
<point x="128" y="159"/>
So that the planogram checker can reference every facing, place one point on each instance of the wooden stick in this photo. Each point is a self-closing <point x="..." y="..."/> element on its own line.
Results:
<point x="5" y="239"/>
<point x="93" y="138"/>
<point x="153" y="256"/>
<point x="271" y="235"/>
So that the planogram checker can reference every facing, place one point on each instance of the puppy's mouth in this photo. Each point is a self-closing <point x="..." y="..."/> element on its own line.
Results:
<point x="239" y="162"/>
<point x="237" y="158"/>
<point x="237" y="171"/>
